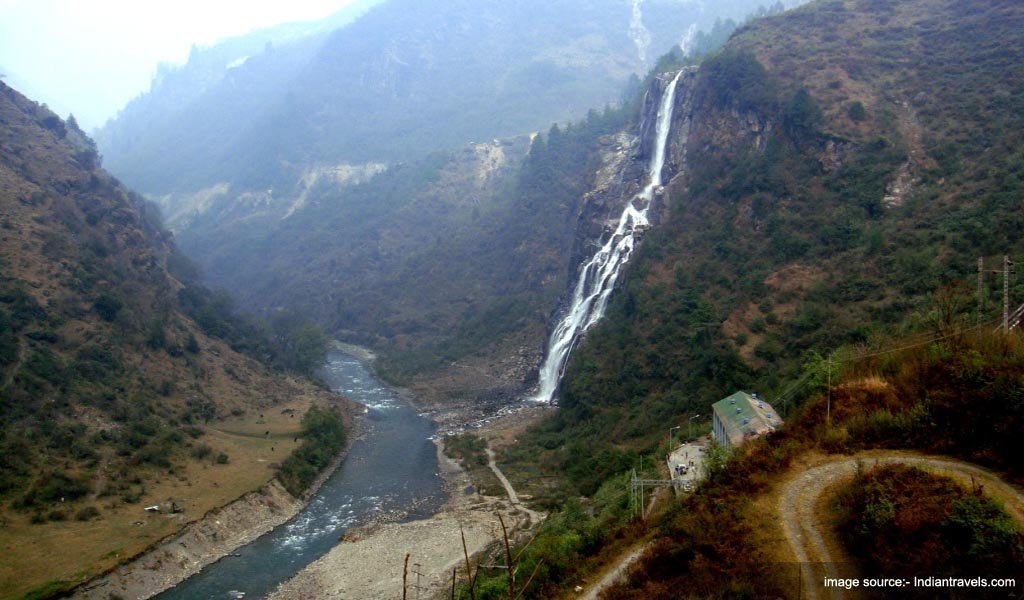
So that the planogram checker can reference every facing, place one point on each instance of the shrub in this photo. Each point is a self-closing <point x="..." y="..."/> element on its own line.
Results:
<point x="87" y="514"/>
<point x="856" y="112"/>
<point x="323" y="432"/>
<point x="902" y="521"/>
<point x="201" y="451"/>
<point x="108" y="306"/>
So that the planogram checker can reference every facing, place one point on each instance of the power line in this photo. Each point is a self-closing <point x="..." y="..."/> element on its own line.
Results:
<point x="805" y="379"/>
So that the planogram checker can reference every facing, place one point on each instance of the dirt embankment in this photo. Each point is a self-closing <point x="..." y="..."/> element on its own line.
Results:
<point x="203" y="542"/>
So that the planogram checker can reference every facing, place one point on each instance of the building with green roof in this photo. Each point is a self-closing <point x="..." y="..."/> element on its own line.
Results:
<point x="740" y="417"/>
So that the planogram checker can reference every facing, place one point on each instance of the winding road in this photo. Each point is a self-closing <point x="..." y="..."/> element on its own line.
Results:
<point x="801" y="493"/>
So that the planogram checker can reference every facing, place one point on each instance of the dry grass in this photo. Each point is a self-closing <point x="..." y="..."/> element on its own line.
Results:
<point x="37" y="554"/>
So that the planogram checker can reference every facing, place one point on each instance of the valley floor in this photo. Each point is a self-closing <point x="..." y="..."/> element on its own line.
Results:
<point x="368" y="563"/>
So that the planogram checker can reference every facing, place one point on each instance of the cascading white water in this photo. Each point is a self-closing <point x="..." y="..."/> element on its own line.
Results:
<point x="598" y="276"/>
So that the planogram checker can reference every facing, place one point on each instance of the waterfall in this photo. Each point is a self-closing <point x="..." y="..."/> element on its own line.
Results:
<point x="598" y="276"/>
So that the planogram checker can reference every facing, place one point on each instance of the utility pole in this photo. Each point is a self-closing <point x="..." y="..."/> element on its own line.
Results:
<point x="641" y="487"/>
<point x="828" y="403"/>
<point x="670" y="430"/>
<point x="1007" y="266"/>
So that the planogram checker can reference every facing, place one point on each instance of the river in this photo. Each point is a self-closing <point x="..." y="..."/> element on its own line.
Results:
<point x="390" y="470"/>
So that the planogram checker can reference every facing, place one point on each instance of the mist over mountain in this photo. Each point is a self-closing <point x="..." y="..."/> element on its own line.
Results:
<point x="406" y="78"/>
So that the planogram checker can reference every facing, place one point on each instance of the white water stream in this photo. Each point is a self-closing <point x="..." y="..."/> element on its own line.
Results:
<point x="598" y="276"/>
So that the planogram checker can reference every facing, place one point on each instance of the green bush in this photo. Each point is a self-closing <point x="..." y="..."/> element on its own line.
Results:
<point x="903" y="521"/>
<point x="857" y="112"/>
<point x="108" y="306"/>
<point x="323" y="434"/>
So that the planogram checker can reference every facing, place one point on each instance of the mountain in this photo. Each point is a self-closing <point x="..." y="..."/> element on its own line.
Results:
<point x="833" y="169"/>
<point x="416" y="258"/>
<point x="120" y="383"/>
<point x="404" y="79"/>
<point x="834" y="175"/>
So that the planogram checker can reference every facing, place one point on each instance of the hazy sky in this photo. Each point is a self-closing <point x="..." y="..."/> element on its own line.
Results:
<point x="89" y="57"/>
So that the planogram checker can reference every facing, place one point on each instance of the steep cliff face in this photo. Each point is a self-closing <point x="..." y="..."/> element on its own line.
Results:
<point x="622" y="170"/>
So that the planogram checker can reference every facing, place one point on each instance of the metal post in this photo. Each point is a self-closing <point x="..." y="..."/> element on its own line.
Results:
<point x="670" y="430"/>
<point x="691" y="425"/>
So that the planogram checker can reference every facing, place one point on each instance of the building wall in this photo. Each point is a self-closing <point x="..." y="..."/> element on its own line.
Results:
<point x="718" y="431"/>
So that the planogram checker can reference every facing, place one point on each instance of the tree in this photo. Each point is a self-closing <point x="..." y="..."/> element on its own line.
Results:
<point x="108" y="306"/>
<point x="856" y="112"/>
<point x="802" y="117"/>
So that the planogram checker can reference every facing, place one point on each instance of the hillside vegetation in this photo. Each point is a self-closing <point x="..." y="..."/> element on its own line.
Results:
<point x="837" y="177"/>
<point x="902" y="400"/>
<point x="122" y="385"/>
<point x="847" y="164"/>
<point x="905" y="522"/>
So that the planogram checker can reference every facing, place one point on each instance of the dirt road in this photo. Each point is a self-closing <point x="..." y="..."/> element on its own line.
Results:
<point x="806" y="535"/>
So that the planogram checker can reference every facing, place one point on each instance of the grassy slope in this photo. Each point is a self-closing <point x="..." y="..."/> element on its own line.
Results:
<point x="718" y="539"/>
<point x="111" y="398"/>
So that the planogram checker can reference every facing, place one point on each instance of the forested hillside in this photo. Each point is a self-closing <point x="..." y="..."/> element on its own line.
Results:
<point x="120" y="375"/>
<point x="837" y="177"/>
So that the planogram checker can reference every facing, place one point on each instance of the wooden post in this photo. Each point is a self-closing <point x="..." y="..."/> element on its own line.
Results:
<point x="508" y="561"/>
<point x="469" y="569"/>
<point x="405" y="575"/>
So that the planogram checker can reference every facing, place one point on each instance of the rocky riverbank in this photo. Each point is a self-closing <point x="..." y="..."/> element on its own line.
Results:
<point x="368" y="563"/>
